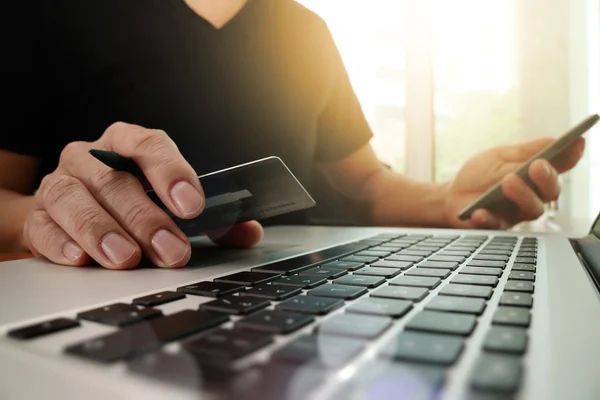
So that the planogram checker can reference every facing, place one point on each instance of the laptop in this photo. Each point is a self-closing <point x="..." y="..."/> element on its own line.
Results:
<point x="315" y="313"/>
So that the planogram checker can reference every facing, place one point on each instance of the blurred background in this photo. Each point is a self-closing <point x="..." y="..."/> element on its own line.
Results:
<point x="440" y="80"/>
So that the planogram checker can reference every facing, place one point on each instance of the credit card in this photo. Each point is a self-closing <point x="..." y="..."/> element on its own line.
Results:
<point x="256" y="190"/>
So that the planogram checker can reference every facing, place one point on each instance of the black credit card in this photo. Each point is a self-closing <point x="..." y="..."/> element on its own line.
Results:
<point x="253" y="191"/>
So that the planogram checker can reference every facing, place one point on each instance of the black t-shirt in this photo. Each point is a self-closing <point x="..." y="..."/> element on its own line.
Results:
<point x="270" y="82"/>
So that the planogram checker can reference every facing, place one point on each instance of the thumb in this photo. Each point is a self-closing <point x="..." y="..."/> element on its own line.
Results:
<point x="244" y="235"/>
<point x="523" y="151"/>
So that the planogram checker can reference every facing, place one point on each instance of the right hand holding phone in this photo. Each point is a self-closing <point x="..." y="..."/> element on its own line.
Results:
<point x="490" y="166"/>
<point x="85" y="210"/>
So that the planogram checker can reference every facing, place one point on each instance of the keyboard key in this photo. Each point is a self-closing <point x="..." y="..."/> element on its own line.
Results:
<point x="486" y="263"/>
<point x="310" y="305"/>
<point x="392" y="264"/>
<point x="386" y="248"/>
<point x="461" y="253"/>
<point x="102" y="313"/>
<point x="454" y="289"/>
<point x="275" y="321"/>
<point x="519" y="286"/>
<point x="360" y="326"/>
<point x="247" y="278"/>
<point x="328" y="273"/>
<point x="443" y="322"/>
<point x="145" y="336"/>
<point x="491" y="257"/>
<point x="384" y="272"/>
<point x="525" y="260"/>
<point x="131" y="317"/>
<point x="210" y="289"/>
<point x="322" y="350"/>
<point x="346" y="265"/>
<point x="405" y="258"/>
<point x="523" y="267"/>
<point x="224" y="345"/>
<point x="385" y="307"/>
<point x="235" y="305"/>
<point x="531" y="254"/>
<point x="497" y="373"/>
<point x="272" y="292"/>
<point x="43" y="328"/>
<point x="418" y="281"/>
<point x="516" y="299"/>
<point x="512" y="316"/>
<point x="521" y="275"/>
<point x="360" y="280"/>
<point x="481" y="271"/>
<point x="338" y="291"/>
<point x="456" y="304"/>
<point x="415" y="294"/>
<point x="304" y="282"/>
<point x="370" y="253"/>
<point x="457" y="259"/>
<point x="360" y="259"/>
<point x="484" y="280"/>
<point x="439" y="264"/>
<point x="436" y="273"/>
<point x="505" y="253"/>
<point x="424" y="348"/>
<point x="506" y="339"/>
<point x="158" y="299"/>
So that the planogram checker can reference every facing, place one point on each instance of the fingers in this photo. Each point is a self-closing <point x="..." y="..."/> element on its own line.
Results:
<point x="173" y="179"/>
<point x="545" y="178"/>
<point x="483" y="219"/>
<point x="123" y="196"/>
<point x="529" y="204"/>
<point x="242" y="235"/>
<point x="72" y="207"/>
<point x="521" y="152"/>
<point x="570" y="157"/>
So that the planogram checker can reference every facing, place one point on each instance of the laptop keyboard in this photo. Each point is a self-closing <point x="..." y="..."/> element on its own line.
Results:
<point x="341" y="299"/>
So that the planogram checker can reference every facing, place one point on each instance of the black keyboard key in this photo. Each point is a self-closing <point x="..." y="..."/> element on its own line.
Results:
<point x="304" y="282"/>
<point x="483" y="280"/>
<point x="328" y="273"/>
<point x="439" y="264"/>
<point x="505" y="253"/>
<point x="525" y="260"/>
<point x="465" y="305"/>
<point x="461" y="253"/>
<point x="338" y="291"/>
<point x="43" y="328"/>
<point x="158" y="298"/>
<point x="516" y="299"/>
<point x="521" y="276"/>
<point x="418" y="281"/>
<point x="146" y="336"/>
<point x="485" y="263"/>
<point x="235" y="305"/>
<point x="422" y="253"/>
<point x="436" y="273"/>
<point x="359" y="326"/>
<point x="531" y="254"/>
<point x="424" y="348"/>
<point x="405" y="258"/>
<point x="319" y="350"/>
<point x="392" y="264"/>
<point x="275" y="321"/>
<point x="454" y="289"/>
<point x="491" y="257"/>
<point x="360" y="259"/>
<point x="514" y="316"/>
<point x="310" y="305"/>
<point x="519" y="286"/>
<point x="481" y="271"/>
<point x="225" y="345"/>
<point x="210" y="289"/>
<point x="384" y="272"/>
<point x="370" y="253"/>
<point x="383" y="307"/>
<point x="272" y="292"/>
<point x="443" y="322"/>
<point x="131" y="317"/>
<point x="506" y="339"/>
<point x="415" y="294"/>
<point x="457" y="259"/>
<point x="345" y="265"/>
<point x="497" y="373"/>
<point x="360" y="280"/>
<point x="247" y="278"/>
<point x="523" y="267"/>
<point x="102" y="313"/>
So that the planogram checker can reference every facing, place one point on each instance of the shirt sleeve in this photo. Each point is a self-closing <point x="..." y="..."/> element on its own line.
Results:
<point x="342" y="126"/>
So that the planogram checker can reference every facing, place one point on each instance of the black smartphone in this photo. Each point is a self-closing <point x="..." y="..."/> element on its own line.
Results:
<point x="253" y="191"/>
<point x="493" y="199"/>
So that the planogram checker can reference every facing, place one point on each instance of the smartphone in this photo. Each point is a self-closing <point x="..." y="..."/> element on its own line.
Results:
<point x="493" y="199"/>
<point x="253" y="191"/>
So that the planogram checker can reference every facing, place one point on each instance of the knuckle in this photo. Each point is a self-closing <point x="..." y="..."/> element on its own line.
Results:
<point x="56" y="187"/>
<point x="116" y="127"/>
<point x="86" y="221"/>
<point x="152" y="140"/>
<point x="71" y="151"/>
<point x="139" y="215"/>
<point x="103" y="178"/>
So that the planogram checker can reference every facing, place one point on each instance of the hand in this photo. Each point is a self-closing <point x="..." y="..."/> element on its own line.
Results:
<point x="85" y="209"/>
<point x="490" y="166"/>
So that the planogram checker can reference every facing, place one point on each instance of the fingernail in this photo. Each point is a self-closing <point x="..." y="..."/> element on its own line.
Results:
<point x="117" y="248"/>
<point x="548" y="169"/>
<point x="169" y="247"/>
<point x="187" y="198"/>
<point x="72" y="252"/>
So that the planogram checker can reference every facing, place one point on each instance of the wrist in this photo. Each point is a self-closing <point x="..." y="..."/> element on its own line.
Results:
<point x="12" y="226"/>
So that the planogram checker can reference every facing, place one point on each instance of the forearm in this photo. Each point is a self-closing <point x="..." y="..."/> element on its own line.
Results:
<point x="14" y="208"/>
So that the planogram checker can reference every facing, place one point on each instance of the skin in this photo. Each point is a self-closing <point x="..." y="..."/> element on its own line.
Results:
<point x="85" y="210"/>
